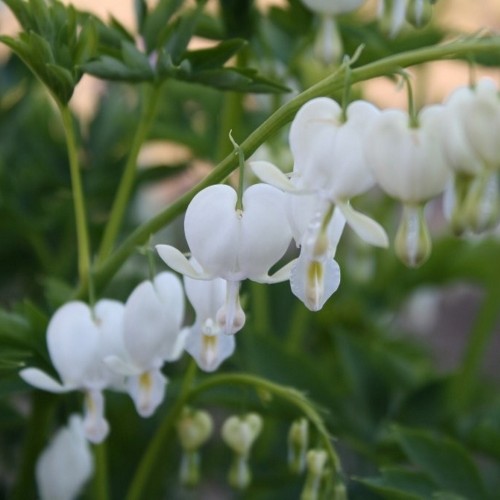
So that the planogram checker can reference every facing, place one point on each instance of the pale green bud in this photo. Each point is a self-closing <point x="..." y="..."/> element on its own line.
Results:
<point x="239" y="433"/>
<point x="316" y="461"/>
<point x="194" y="428"/>
<point x="419" y="12"/>
<point x="413" y="242"/>
<point x="298" y="441"/>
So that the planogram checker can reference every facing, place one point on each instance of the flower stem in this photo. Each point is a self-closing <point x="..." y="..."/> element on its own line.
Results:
<point x="78" y="198"/>
<point x="100" y="481"/>
<point x="326" y="87"/>
<point x="289" y="394"/>
<point x="151" y="458"/>
<point x="128" y="177"/>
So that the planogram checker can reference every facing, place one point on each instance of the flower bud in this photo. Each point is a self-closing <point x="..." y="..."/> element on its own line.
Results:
<point x="298" y="440"/>
<point x="316" y="461"/>
<point x="239" y="433"/>
<point x="419" y="12"/>
<point x="194" y="428"/>
<point x="413" y="242"/>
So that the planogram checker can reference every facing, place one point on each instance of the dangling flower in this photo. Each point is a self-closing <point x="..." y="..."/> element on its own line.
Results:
<point x="232" y="243"/>
<point x="78" y="339"/>
<point x="66" y="464"/>
<point x="476" y="113"/>
<point x="392" y="15"/>
<point x="151" y="335"/>
<point x="329" y="169"/>
<point x="409" y="165"/>
<point x="206" y="342"/>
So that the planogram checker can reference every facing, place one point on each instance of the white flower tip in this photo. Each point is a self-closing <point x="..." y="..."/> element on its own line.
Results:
<point x="147" y="391"/>
<point x="176" y="260"/>
<point x="365" y="227"/>
<point x="269" y="173"/>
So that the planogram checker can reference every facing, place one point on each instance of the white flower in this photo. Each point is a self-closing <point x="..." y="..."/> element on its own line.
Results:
<point x="408" y="162"/>
<point x="78" y="339"/>
<point x="66" y="464"/>
<point x="151" y="335"/>
<point x="392" y="15"/>
<point x="409" y="165"/>
<point x="206" y="342"/>
<point x="332" y="6"/>
<point x="330" y="168"/>
<point x="233" y="244"/>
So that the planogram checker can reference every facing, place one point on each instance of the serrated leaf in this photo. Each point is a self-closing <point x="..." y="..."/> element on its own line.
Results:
<point x="136" y="60"/>
<point x="444" y="460"/>
<point x="180" y="36"/>
<point x="156" y="26"/>
<point x="215" y="57"/>
<point x="109" y="68"/>
<point x="60" y="81"/>
<point x="21" y="12"/>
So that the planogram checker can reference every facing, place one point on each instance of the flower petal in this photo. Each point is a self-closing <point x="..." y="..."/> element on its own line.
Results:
<point x="269" y="173"/>
<point x="178" y="262"/>
<point x="73" y="340"/>
<point x="367" y="229"/>
<point x="147" y="391"/>
<point x="282" y="274"/>
<point x="313" y="281"/>
<point x="41" y="380"/>
<point x="96" y="427"/>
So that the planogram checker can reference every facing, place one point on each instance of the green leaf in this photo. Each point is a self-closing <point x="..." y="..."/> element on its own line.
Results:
<point x="182" y="33"/>
<point x="40" y="16"/>
<point x="215" y="56"/>
<point x="136" y="60"/>
<point x="141" y="10"/>
<point x="86" y="46"/>
<point x="60" y="81"/>
<point x="21" y="11"/>
<point x="156" y="27"/>
<point x="109" y="68"/>
<point x="444" y="460"/>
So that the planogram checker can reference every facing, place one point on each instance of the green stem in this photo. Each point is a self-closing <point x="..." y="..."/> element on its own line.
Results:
<point x="78" y="198"/>
<point x="463" y="386"/>
<point x="100" y="481"/>
<point x="129" y="173"/>
<point x="151" y="458"/>
<point x="289" y="394"/>
<point x="329" y="86"/>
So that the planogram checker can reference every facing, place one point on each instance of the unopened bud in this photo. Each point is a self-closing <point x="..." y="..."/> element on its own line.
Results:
<point x="419" y="12"/>
<point x="194" y="428"/>
<point x="316" y="461"/>
<point x="413" y="242"/>
<point x="298" y="441"/>
<point x="239" y="433"/>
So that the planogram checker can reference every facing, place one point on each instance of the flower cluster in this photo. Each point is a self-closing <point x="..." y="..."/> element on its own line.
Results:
<point x="124" y="346"/>
<point x="339" y="154"/>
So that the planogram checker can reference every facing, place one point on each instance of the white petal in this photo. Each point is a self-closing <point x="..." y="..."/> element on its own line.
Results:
<point x="173" y="349"/>
<point x="121" y="366"/>
<point x="65" y="465"/>
<point x="95" y="425"/>
<point x="41" y="380"/>
<point x="269" y="173"/>
<point x="265" y="233"/>
<point x="73" y="340"/>
<point x="314" y="282"/>
<point x="282" y="274"/>
<point x="231" y="317"/>
<point x="212" y="227"/>
<point x="147" y="391"/>
<point x="178" y="262"/>
<point x="209" y="351"/>
<point x="206" y="297"/>
<point x="170" y="292"/>
<point x="367" y="229"/>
